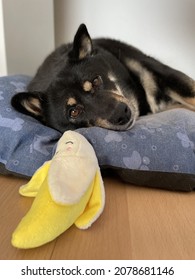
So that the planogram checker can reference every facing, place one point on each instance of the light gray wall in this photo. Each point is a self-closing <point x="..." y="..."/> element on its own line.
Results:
<point x="3" y="62"/>
<point x="161" y="28"/>
<point x="28" y="32"/>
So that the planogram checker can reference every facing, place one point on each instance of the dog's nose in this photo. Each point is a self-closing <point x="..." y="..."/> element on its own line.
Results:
<point x="122" y="114"/>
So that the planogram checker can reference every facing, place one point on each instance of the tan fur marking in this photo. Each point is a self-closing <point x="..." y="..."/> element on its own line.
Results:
<point x="190" y="100"/>
<point x="103" y="123"/>
<point x="112" y="78"/>
<point x="33" y="105"/>
<point x="82" y="54"/>
<point x="87" y="86"/>
<point x="147" y="81"/>
<point x="85" y="48"/>
<point x="71" y="101"/>
<point x="187" y="101"/>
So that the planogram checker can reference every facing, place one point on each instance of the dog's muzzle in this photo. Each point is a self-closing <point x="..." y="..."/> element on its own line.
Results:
<point x="122" y="117"/>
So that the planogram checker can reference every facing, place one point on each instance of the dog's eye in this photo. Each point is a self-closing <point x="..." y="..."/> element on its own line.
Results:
<point x="92" y="86"/>
<point x="97" y="82"/>
<point x="75" y="111"/>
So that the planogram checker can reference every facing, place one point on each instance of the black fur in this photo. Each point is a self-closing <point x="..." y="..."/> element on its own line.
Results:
<point x="103" y="83"/>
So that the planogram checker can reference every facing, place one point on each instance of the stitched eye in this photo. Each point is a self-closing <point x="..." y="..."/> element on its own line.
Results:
<point x="74" y="112"/>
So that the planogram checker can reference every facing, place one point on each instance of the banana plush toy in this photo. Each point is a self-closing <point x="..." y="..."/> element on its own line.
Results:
<point x="68" y="190"/>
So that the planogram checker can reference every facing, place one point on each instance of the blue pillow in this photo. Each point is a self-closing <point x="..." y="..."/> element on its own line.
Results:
<point x="25" y="144"/>
<point x="157" y="152"/>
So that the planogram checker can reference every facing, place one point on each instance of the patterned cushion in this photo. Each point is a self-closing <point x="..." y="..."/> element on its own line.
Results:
<point x="24" y="143"/>
<point x="157" y="152"/>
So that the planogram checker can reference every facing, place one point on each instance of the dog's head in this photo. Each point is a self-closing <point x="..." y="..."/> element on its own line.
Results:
<point x="90" y="90"/>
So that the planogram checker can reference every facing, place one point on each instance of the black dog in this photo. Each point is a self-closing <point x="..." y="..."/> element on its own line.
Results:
<point x="102" y="83"/>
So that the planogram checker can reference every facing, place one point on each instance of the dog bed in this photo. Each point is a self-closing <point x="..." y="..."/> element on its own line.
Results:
<point x="157" y="152"/>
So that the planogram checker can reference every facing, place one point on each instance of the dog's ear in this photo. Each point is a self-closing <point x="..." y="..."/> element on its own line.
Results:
<point x="29" y="103"/>
<point x="82" y="44"/>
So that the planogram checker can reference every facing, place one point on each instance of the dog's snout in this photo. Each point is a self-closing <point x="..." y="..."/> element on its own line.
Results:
<point x="122" y="114"/>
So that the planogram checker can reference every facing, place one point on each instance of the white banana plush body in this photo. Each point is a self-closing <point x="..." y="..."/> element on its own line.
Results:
<point x="68" y="190"/>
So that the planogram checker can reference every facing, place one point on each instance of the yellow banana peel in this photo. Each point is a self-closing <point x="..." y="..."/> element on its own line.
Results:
<point x="68" y="190"/>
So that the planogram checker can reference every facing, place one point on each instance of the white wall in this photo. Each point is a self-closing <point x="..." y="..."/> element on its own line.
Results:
<point x="161" y="28"/>
<point x="3" y="61"/>
<point x="28" y="32"/>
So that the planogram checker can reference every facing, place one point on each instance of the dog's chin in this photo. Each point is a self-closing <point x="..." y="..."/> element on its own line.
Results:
<point x="123" y="127"/>
<point x="111" y="126"/>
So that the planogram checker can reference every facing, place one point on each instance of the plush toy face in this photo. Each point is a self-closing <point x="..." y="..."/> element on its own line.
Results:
<point x="74" y="144"/>
<point x="67" y="145"/>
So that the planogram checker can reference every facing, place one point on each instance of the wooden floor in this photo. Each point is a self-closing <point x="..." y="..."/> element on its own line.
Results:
<point x="137" y="223"/>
